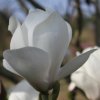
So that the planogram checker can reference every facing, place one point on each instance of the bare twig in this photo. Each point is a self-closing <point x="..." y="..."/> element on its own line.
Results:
<point x="14" y="78"/>
<point x="35" y="4"/>
<point x="97" y="22"/>
<point x="79" y="21"/>
<point x="23" y="5"/>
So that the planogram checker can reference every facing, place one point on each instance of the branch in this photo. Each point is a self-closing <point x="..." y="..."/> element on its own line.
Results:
<point x="23" y="5"/>
<point x="35" y="4"/>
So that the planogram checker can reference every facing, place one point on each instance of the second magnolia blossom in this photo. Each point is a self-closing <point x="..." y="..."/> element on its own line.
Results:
<point x="38" y="47"/>
<point x="87" y="77"/>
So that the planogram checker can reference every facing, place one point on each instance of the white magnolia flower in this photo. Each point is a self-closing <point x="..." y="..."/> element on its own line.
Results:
<point x="87" y="77"/>
<point x="24" y="91"/>
<point x="38" y="47"/>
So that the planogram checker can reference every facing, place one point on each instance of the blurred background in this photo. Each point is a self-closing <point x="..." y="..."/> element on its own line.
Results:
<point x="84" y="17"/>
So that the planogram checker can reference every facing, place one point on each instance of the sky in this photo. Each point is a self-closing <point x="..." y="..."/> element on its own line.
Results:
<point x="13" y="8"/>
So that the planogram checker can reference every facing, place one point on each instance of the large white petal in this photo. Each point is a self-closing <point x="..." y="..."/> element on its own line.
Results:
<point x="25" y="34"/>
<point x="52" y="36"/>
<point x="69" y="32"/>
<point x="74" y="64"/>
<point x="78" y="77"/>
<point x="32" y="63"/>
<point x="85" y="82"/>
<point x="33" y="19"/>
<point x="93" y="65"/>
<point x="13" y="24"/>
<point x="8" y="67"/>
<point x="86" y="77"/>
<point x="17" y="40"/>
<point x="23" y="91"/>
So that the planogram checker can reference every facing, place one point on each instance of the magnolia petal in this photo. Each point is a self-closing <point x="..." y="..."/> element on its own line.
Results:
<point x="30" y="61"/>
<point x="78" y="53"/>
<point x="8" y="67"/>
<point x="17" y="40"/>
<point x="89" y="48"/>
<point x="74" y="64"/>
<point x="69" y="31"/>
<point x="93" y="65"/>
<point x="71" y="86"/>
<point x="91" y="85"/>
<point x="24" y="91"/>
<point x="78" y="77"/>
<point x="25" y="34"/>
<point x="85" y="82"/>
<point x="32" y="10"/>
<point x="92" y="91"/>
<point x="13" y="24"/>
<point x="52" y="36"/>
<point x="33" y="19"/>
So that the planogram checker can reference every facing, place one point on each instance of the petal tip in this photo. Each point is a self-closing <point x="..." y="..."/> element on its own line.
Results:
<point x="13" y="23"/>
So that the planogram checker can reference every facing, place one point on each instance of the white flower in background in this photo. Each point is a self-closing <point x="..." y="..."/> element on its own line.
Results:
<point x="24" y="91"/>
<point x="38" y="47"/>
<point x="87" y="77"/>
